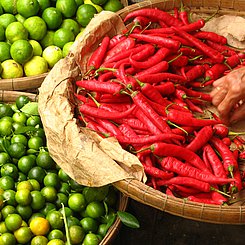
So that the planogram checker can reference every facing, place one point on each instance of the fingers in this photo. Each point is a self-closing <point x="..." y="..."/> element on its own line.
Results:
<point x="238" y="115"/>
<point x="218" y="95"/>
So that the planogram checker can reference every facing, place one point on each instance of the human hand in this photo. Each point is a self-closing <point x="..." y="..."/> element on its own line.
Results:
<point x="228" y="95"/>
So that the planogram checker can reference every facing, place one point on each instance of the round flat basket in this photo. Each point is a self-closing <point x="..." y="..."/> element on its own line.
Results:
<point x="58" y="99"/>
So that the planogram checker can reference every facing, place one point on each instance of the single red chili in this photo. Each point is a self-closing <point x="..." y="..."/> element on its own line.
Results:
<point x="192" y="106"/>
<point x="166" y="88"/>
<point x="195" y="72"/>
<point x="174" y="165"/>
<point x="115" y="106"/>
<point x="189" y="51"/>
<point x="179" y="62"/>
<point x="210" y="52"/>
<point x="156" y="14"/>
<point x="234" y="60"/>
<point x="218" y="197"/>
<point x="183" y="14"/>
<point x="143" y="54"/>
<point x="223" y="49"/>
<point x="98" y="55"/>
<point x="133" y="123"/>
<point x="203" y="200"/>
<point x="106" y="76"/>
<point x="127" y="131"/>
<point x="160" y="77"/>
<point x="186" y="189"/>
<point x="160" y="41"/>
<point x="103" y="87"/>
<point x="215" y="162"/>
<point x="142" y="21"/>
<point x="221" y="130"/>
<point x="85" y="100"/>
<point x="215" y="72"/>
<point x="238" y="143"/>
<point x="114" y="98"/>
<point x="115" y="40"/>
<point x="184" y="130"/>
<point x="104" y="114"/>
<point x="227" y="141"/>
<point x="201" y="138"/>
<point x="229" y="162"/>
<point x="206" y="161"/>
<point x="156" y="172"/>
<point x="110" y="127"/>
<point x="212" y="36"/>
<point x="152" y="60"/>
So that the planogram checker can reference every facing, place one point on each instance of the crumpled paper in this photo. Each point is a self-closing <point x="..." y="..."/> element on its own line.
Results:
<point x="84" y="155"/>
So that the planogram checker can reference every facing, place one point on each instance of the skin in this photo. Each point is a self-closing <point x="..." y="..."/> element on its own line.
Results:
<point x="228" y="95"/>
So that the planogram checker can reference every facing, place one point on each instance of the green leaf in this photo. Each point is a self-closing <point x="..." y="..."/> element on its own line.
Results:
<point x="25" y="129"/>
<point x="128" y="219"/>
<point x="31" y="109"/>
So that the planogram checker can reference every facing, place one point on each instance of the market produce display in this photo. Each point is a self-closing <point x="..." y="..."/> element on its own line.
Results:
<point x="147" y="87"/>
<point x="39" y="202"/>
<point x="35" y="35"/>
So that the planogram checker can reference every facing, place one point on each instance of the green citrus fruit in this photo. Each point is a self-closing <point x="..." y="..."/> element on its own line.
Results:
<point x="77" y="234"/>
<point x="55" y="219"/>
<point x="38" y="200"/>
<point x="99" y="2"/>
<point x="66" y="48"/>
<point x="35" y="66"/>
<point x="36" y="27"/>
<point x="37" y="173"/>
<point x="91" y="239"/>
<point x="6" y="19"/>
<point x="56" y="234"/>
<point x="43" y="4"/>
<point x="11" y="69"/>
<point x="23" y="235"/>
<point x="76" y="202"/>
<point x="44" y="160"/>
<point x="37" y="48"/>
<point x="9" y="6"/>
<point x="4" y="51"/>
<point x="95" y="209"/>
<point x="98" y="7"/>
<point x="20" y="18"/>
<point x="63" y="36"/>
<point x="27" y="8"/>
<point x="71" y="25"/>
<point x="13" y="222"/>
<point x="23" y="197"/>
<point x="85" y="13"/>
<point x="67" y="7"/>
<point x="39" y="240"/>
<point x="113" y="5"/>
<point x="16" y="31"/>
<point x="79" y="2"/>
<point x="52" y="54"/>
<point x="21" y="51"/>
<point x="7" y="239"/>
<point x="53" y="18"/>
<point x="48" y="39"/>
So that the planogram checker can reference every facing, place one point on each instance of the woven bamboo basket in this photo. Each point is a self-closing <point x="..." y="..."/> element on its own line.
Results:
<point x="10" y="97"/>
<point x="133" y="188"/>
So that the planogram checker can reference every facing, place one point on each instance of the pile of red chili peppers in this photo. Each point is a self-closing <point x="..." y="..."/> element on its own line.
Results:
<point x="143" y="87"/>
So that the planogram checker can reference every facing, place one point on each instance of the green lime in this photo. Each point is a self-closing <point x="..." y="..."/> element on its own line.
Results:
<point x="27" y="8"/>
<point x="9" y="6"/>
<point x="16" y="31"/>
<point x="67" y="7"/>
<point x="99" y="2"/>
<point x="47" y="207"/>
<point x="95" y="209"/>
<point x="23" y="235"/>
<point x="53" y="18"/>
<point x="113" y="5"/>
<point x="48" y="39"/>
<point x="23" y="197"/>
<point x="33" y="120"/>
<point x="21" y="101"/>
<point x="5" y="128"/>
<point x="66" y="48"/>
<point x="7" y="210"/>
<point x="7" y="239"/>
<point x="4" y="51"/>
<point x="35" y="66"/>
<point x="6" y="110"/>
<point x="4" y="158"/>
<point x="9" y="169"/>
<point x="89" y="224"/>
<point x="6" y="19"/>
<point x="68" y="212"/>
<point x="11" y="69"/>
<point x="36" y="27"/>
<point x="24" y="211"/>
<point x="37" y="48"/>
<point x="52" y="180"/>
<point x="56" y="242"/>
<point x="21" y="51"/>
<point x="76" y="202"/>
<point x="63" y="36"/>
<point x="13" y="222"/>
<point x="56" y="234"/>
<point x="52" y="54"/>
<point x="19" y="117"/>
<point x="79" y="2"/>
<point x="43" y="4"/>
<point x="17" y="150"/>
<point x="25" y="184"/>
<point x="37" y="173"/>
<point x="35" y="143"/>
<point x="49" y="192"/>
<point x="22" y="177"/>
<point x="72" y="220"/>
<point x="2" y="33"/>
<point x="98" y="7"/>
<point x="26" y="163"/>
<point x="35" y="184"/>
<point x="20" y="18"/>
<point x="65" y="188"/>
<point x="44" y="160"/>
<point x="61" y="199"/>
<point x="63" y="175"/>
<point x="39" y="240"/>
<point x="9" y="197"/>
<point x="91" y="239"/>
<point x="77" y="234"/>
<point x="71" y="25"/>
<point x="55" y="219"/>
<point x="85" y="13"/>
<point x="38" y="200"/>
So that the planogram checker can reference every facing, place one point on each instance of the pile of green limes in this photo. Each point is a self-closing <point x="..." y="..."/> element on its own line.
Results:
<point x="36" y="34"/>
<point x="39" y="203"/>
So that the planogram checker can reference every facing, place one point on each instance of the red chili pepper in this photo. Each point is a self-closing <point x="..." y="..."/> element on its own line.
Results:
<point x="160" y="41"/>
<point x="114" y="98"/>
<point x="127" y="131"/>
<point x="142" y="21"/>
<point x="218" y="197"/>
<point x="133" y="123"/>
<point x="103" y="87"/>
<point x="193" y="107"/>
<point x="167" y="88"/>
<point x="183" y="14"/>
<point x="229" y="162"/>
<point x="227" y="141"/>
<point x="110" y="127"/>
<point x="189" y="51"/>
<point x="210" y="52"/>
<point x="215" y="72"/>
<point x="98" y="55"/>
<point x="239" y="144"/>
<point x="152" y="60"/>
<point x="156" y="14"/>
<point x="179" y="61"/>
<point x="106" y="76"/>
<point x="156" y="172"/>
<point x="115" y="40"/>
<point x="195" y="72"/>
<point x="234" y="60"/>
<point x="221" y="130"/>
<point x="225" y="50"/>
<point x="184" y="130"/>
<point x="186" y="190"/>
<point x="142" y="103"/>
<point x="186" y="181"/>
<point x="201" y="138"/>
<point x="203" y="200"/>
<point x="122" y="46"/>
<point x="85" y="100"/>
<point x="163" y="149"/>
<point x="212" y="36"/>
<point x="100" y="113"/>
<point x="143" y="54"/>
<point x="174" y="165"/>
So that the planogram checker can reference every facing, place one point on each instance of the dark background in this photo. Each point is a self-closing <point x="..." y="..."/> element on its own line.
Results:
<point x="159" y="227"/>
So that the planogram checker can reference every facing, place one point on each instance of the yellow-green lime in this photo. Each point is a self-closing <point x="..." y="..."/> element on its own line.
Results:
<point x="20" y="18"/>
<point x="63" y="36"/>
<point x="2" y="33"/>
<point x="48" y="39"/>
<point x="9" y="6"/>
<point x="80" y="33"/>
<point x="113" y="5"/>
<point x="6" y="19"/>
<point x="43" y="4"/>
<point x="53" y="18"/>
<point x="21" y="51"/>
<point x="79" y="2"/>
<point x="16" y="31"/>
<point x="67" y="7"/>
<point x="36" y="27"/>
<point x="66" y="49"/>
<point x="98" y="7"/>
<point x="37" y="48"/>
<point x="99" y="2"/>
<point x="71" y="25"/>
<point x="85" y="13"/>
<point x="27" y="8"/>
<point x="35" y="66"/>
<point x="52" y="54"/>
<point x="4" y="51"/>
<point x="11" y="69"/>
